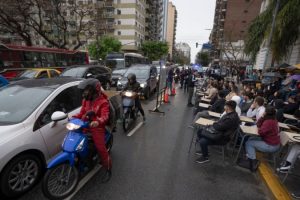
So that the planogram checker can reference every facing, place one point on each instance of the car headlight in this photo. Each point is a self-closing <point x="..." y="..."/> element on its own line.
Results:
<point x="119" y="83"/>
<point x="80" y="145"/>
<point x="143" y="85"/>
<point x="72" y="127"/>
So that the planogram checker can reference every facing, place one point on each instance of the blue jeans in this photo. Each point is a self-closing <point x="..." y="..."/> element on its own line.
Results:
<point x="257" y="143"/>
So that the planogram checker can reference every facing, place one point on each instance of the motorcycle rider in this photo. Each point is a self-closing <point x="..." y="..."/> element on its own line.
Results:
<point x="96" y="102"/>
<point x="134" y="86"/>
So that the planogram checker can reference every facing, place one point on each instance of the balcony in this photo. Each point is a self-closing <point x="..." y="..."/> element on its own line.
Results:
<point x="108" y="15"/>
<point x="108" y="5"/>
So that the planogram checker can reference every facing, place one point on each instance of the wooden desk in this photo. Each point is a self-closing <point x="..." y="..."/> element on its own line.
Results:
<point x="282" y="125"/>
<point x="246" y="119"/>
<point x="203" y="121"/>
<point x="205" y="100"/>
<point x="214" y="114"/>
<point x="250" y="130"/>
<point x="204" y="105"/>
<point x="289" y="116"/>
<point x="292" y="137"/>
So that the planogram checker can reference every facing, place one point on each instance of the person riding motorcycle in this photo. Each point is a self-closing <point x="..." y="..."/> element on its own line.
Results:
<point x="134" y="86"/>
<point x="95" y="108"/>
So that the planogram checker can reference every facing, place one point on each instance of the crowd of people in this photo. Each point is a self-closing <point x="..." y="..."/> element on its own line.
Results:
<point x="265" y="104"/>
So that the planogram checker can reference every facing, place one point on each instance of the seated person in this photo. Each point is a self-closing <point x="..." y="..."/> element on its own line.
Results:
<point x="226" y="125"/>
<point x="268" y="140"/>
<point x="237" y="100"/>
<point x="257" y="109"/>
<point x="291" y="158"/>
<point x="218" y="107"/>
<point x="279" y="104"/>
<point x="291" y="106"/>
<point x="246" y="103"/>
<point x="234" y="91"/>
<point x="213" y="91"/>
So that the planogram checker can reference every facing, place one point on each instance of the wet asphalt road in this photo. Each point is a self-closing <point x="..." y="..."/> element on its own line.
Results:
<point x="154" y="164"/>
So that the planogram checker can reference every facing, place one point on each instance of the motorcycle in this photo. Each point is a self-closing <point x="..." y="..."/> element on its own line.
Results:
<point x="130" y="111"/>
<point x="78" y="157"/>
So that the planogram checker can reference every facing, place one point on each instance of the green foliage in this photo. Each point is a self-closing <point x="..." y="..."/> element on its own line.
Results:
<point x="286" y="30"/>
<point x="180" y="58"/>
<point x="203" y="58"/>
<point x="154" y="50"/>
<point x="99" y="49"/>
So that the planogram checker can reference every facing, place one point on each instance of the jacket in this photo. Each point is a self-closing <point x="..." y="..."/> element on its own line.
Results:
<point x="135" y="87"/>
<point x="227" y="124"/>
<point x="257" y="112"/>
<point x="191" y="80"/>
<point x="101" y="107"/>
<point x="218" y="106"/>
<point x="290" y="108"/>
<point x="268" y="130"/>
<point x="245" y="106"/>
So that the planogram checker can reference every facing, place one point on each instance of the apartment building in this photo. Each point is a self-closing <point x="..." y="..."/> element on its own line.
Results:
<point x="130" y="20"/>
<point x="231" y="21"/>
<point x="171" y="28"/>
<point x="154" y="20"/>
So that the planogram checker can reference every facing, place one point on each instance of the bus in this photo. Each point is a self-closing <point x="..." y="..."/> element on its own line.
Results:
<point x="13" y="58"/>
<point x="117" y="61"/>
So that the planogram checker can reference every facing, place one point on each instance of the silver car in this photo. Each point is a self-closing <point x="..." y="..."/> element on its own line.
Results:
<point x="28" y="137"/>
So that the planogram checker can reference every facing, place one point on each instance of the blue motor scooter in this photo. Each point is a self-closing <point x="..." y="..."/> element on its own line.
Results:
<point x="78" y="157"/>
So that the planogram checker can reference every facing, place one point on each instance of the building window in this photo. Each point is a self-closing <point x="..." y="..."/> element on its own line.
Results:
<point x="243" y="21"/>
<point x="119" y="1"/>
<point x="245" y="11"/>
<point x="119" y="32"/>
<point x="119" y="12"/>
<point x="119" y="22"/>
<point x="136" y="24"/>
<point x="136" y="34"/>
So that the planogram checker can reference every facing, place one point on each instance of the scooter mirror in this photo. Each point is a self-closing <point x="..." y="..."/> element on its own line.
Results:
<point x="58" y="116"/>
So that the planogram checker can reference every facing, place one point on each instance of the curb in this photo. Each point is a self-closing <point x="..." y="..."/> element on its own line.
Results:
<point x="277" y="189"/>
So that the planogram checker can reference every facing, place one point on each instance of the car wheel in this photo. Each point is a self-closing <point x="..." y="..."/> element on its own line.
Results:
<point x="20" y="175"/>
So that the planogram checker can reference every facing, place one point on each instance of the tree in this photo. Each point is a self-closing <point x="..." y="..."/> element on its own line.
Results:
<point x="99" y="49"/>
<point x="180" y="58"/>
<point x="49" y="19"/>
<point x="155" y="50"/>
<point x="286" y="30"/>
<point x="203" y="58"/>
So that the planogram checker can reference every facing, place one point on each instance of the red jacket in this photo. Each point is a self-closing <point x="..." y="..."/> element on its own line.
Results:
<point x="100" y="106"/>
<point x="269" y="131"/>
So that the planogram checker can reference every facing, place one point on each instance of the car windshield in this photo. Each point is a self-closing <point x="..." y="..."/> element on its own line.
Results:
<point x="28" y="74"/>
<point x="77" y="72"/>
<point x="115" y="64"/>
<point x="18" y="102"/>
<point x="139" y="73"/>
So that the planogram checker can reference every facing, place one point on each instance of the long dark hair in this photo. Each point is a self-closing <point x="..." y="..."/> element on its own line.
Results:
<point x="270" y="113"/>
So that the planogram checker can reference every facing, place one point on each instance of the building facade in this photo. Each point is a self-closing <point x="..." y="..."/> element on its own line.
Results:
<point x="154" y="20"/>
<point x="171" y="28"/>
<point x="231" y="21"/>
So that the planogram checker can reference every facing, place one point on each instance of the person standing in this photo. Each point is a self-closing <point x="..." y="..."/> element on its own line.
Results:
<point x="190" y="84"/>
<point x="170" y="79"/>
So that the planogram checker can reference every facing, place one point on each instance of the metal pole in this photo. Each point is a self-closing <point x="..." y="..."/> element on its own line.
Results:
<point x="271" y="34"/>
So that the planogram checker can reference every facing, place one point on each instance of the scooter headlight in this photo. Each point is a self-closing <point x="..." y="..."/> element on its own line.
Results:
<point x="128" y="94"/>
<point x="80" y="145"/>
<point x="72" y="127"/>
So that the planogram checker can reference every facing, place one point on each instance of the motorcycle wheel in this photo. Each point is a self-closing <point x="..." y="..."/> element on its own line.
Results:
<point x="60" y="181"/>
<point x="126" y="122"/>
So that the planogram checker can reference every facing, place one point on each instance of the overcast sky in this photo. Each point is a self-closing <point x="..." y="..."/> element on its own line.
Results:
<point x="194" y="16"/>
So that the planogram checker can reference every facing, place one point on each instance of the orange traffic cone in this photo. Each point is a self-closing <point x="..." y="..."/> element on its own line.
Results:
<point x="173" y="89"/>
<point x="166" y="96"/>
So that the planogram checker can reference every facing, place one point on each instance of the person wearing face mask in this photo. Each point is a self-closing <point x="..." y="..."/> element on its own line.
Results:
<point x="95" y="108"/>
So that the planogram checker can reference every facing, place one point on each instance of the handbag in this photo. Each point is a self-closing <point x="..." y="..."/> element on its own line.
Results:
<point x="211" y="133"/>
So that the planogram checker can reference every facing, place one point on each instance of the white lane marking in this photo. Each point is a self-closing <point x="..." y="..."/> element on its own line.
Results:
<point x="85" y="180"/>
<point x="135" y="129"/>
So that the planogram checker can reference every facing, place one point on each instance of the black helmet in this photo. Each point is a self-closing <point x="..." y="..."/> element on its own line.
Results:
<point x="91" y="88"/>
<point x="131" y="77"/>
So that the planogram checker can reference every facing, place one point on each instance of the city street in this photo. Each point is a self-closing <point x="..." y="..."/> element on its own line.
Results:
<point x="154" y="164"/>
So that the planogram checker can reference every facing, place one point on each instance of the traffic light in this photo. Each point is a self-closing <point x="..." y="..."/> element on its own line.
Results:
<point x="197" y="44"/>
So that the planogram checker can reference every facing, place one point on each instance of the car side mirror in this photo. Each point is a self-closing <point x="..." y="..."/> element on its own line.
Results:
<point x="58" y="116"/>
<point x="89" y="75"/>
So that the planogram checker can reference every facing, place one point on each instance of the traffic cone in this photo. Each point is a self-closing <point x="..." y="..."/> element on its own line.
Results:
<point x="173" y="89"/>
<point x="166" y="96"/>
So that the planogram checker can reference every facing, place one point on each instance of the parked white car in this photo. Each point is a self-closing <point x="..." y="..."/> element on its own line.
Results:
<point x="28" y="137"/>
